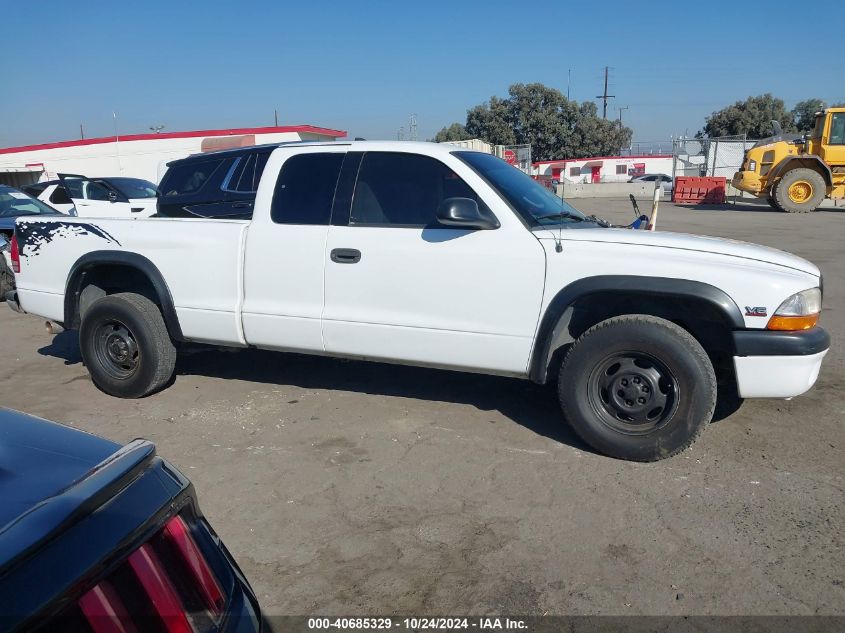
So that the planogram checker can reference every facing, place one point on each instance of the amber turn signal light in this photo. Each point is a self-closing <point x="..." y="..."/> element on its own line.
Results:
<point x="793" y="322"/>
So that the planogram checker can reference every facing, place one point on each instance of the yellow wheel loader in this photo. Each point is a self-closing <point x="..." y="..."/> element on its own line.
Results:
<point x="795" y="173"/>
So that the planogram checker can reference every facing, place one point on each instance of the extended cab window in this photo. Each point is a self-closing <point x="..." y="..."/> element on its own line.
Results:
<point x="188" y="177"/>
<point x="305" y="188"/>
<point x="403" y="189"/>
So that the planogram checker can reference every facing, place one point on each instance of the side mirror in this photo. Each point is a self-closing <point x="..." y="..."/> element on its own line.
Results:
<point x="112" y="196"/>
<point x="463" y="213"/>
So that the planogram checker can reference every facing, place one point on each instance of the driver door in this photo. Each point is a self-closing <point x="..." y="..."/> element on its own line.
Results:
<point x="92" y="198"/>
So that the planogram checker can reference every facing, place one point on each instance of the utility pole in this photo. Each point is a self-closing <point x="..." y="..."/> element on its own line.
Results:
<point x="276" y="117"/>
<point x="81" y="132"/>
<point x="620" y="114"/>
<point x="568" y="83"/>
<point x="604" y="97"/>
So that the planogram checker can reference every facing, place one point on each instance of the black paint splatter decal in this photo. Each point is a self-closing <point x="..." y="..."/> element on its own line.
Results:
<point x="33" y="235"/>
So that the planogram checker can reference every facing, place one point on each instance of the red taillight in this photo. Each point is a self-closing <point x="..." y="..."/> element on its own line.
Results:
<point x="167" y="579"/>
<point x="16" y="255"/>
<point x="176" y="531"/>
<point x="104" y="610"/>
<point x="160" y="590"/>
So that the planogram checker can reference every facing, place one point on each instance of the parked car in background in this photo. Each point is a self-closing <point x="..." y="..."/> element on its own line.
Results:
<point x="98" y="537"/>
<point x="213" y="185"/>
<point x="665" y="181"/>
<point x="99" y="197"/>
<point x="426" y="254"/>
<point x="14" y="204"/>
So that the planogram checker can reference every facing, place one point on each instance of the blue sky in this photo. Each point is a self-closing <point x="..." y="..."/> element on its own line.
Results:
<point x="366" y="66"/>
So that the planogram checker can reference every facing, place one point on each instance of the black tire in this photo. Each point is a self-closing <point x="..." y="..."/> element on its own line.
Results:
<point x="637" y="387"/>
<point x="126" y="346"/>
<point x="7" y="278"/>
<point x="797" y="180"/>
<point x="773" y="204"/>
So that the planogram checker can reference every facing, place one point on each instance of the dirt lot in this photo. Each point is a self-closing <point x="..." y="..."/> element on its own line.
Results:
<point x="345" y="487"/>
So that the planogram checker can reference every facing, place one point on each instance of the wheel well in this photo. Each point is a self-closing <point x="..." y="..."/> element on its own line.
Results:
<point x="88" y="281"/>
<point x="707" y="323"/>
<point x="806" y="162"/>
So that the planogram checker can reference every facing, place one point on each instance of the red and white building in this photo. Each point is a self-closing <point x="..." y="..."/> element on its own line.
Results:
<point x="138" y="155"/>
<point x="604" y="168"/>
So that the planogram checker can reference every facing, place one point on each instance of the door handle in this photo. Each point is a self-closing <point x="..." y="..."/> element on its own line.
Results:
<point x="241" y="205"/>
<point x="346" y="255"/>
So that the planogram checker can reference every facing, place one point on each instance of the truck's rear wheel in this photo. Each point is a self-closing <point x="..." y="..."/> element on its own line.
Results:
<point x="126" y="346"/>
<point x="637" y="387"/>
<point x="800" y="190"/>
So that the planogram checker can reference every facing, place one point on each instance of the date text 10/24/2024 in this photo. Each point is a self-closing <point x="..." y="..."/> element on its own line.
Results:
<point x="417" y="624"/>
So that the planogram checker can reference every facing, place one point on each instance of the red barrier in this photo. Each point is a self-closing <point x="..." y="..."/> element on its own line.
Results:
<point x="699" y="190"/>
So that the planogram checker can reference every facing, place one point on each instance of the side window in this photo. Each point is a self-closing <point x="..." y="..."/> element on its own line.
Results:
<point x="34" y="190"/>
<point x="260" y="163"/>
<point x="837" y="129"/>
<point x="94" y="191"/>
<point x="305" y="189"/>
<point x="189" y="177"/>
<point x="403" y="189"/>
<point x="59" y="196"/>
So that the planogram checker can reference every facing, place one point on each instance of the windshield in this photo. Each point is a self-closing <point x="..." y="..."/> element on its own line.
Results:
<point x="134" y="187"/>
<point x="536" y="204"/>
<point x="14" y="203"/>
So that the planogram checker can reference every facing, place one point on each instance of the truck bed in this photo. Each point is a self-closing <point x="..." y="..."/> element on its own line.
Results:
<point x="201" y="260"/>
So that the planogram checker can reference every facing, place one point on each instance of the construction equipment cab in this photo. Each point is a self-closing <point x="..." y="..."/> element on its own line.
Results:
<point x="795" y="173"/>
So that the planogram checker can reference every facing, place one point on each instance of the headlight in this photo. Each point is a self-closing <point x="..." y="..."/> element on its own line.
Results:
<point x="752" y="165"/>
<point x="798" y="312"/>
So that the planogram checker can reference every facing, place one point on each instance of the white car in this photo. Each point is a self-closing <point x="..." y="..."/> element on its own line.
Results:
<point x="429" y="254"/>
<point x="97" y="197"/>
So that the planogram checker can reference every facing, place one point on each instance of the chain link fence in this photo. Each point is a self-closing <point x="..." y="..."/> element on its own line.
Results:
<point x="517" y="155"/>
<point x="721" y="156"/>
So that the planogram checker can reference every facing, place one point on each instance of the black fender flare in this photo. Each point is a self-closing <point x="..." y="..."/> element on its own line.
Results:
<point x="541" y="355"/>
<point x="80" y="268"/>
<point x="804" y="160"/>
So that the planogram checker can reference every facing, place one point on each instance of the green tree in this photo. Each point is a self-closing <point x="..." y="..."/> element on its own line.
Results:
<point x="752" y="117"/>
<point x="455" y="132"/>
<point x="805" y="113"/>
<point x="554" y="126"/>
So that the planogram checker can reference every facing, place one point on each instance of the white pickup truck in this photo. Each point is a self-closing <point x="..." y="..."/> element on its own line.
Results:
<point x="431" y="255"/>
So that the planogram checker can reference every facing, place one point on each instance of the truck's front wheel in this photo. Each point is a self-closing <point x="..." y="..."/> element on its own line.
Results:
<point x="800" y="190"/>
<point x="637" y="387"/>
<point x="126" y="346"/>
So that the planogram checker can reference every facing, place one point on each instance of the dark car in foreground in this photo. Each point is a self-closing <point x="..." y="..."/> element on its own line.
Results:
<point x="95" y="538"/>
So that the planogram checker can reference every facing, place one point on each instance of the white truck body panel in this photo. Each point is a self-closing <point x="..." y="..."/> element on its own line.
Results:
<point x="439" y="296"/>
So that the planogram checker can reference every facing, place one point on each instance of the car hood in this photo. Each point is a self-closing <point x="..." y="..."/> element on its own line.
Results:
<point x="683" y="241"/>
<point x="38" y="459"/>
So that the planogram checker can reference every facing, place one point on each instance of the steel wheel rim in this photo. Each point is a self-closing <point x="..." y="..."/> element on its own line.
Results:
<point x="116" y="349"/>
<point x="633" y="393"/>
<point x="800" y="191"/>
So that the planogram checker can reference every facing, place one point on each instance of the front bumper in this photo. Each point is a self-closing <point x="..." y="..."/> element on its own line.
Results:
<point x="770" y="364"/>
<point x="747" y="181"/>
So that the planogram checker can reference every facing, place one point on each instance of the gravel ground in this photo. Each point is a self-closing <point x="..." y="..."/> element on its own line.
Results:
<point x="362" y="488"/>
